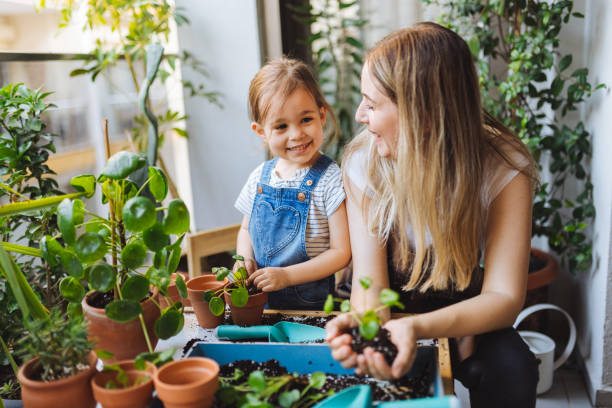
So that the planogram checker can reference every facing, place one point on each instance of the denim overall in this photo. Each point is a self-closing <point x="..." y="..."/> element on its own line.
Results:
<point x="278" y="234"/>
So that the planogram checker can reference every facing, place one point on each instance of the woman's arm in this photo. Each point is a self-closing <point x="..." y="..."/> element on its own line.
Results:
<point x="508" y="237"/>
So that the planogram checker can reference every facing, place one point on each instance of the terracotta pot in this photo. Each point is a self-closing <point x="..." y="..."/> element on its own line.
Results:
<point x="173" y="292"/>
<point x="188" y="383"/>
<point x="138" y="396"/>
<point x="249" y="314"/>
<point x="547" y="274"/>
<point x="73" y="391"/>
<point x="124" y="340"/>
<point x="196" y="287"/>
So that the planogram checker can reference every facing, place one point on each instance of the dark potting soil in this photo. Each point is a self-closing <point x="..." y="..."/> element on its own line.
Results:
<point x="402" y="389"/>
<point x="381" y="343"/>
<point x="100" y="300"/>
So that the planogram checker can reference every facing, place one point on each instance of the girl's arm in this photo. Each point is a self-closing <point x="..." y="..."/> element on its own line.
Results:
<point x="244" y="246"/>
<point x="508" y="237"/>
<point x="319" y="267"/>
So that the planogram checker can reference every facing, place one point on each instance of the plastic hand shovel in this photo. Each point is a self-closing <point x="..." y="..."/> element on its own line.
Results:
<point x="360" y="396"/>
<point x="281" y="332"/>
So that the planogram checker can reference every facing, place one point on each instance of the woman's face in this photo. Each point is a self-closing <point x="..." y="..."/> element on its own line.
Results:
<point x="379" y="114"/>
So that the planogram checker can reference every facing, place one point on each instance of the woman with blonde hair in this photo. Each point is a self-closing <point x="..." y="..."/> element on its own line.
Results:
<point x="435" y="188"/>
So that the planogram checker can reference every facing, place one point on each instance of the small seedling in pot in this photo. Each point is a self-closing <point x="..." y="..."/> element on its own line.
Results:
<point x="238" y="288"/>
<point x="369" y="322"/>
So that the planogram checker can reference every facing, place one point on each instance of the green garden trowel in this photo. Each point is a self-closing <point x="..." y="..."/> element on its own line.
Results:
<point x="281" y="332"/>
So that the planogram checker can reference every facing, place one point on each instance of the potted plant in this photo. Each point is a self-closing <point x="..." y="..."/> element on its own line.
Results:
<point x="198" y="290"/>
<point x="368" y="332"/>
<point x="187" y="383"/>
<point x="245" y="301"/>
<point x="108" y="254"/>
<point x="125" y="384"/>
<point x="526" y="83"/>
<point x="59" y="363"/>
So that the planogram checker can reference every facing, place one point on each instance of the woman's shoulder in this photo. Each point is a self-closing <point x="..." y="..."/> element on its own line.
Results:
<point x="354" y="166"/>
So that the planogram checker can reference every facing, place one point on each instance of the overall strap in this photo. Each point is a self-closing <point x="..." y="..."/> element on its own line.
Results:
<point x="316" y="171"/>
<point x="267" y="170"/>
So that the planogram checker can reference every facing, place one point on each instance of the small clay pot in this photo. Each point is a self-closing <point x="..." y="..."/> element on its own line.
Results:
<point x="138" y="396"/>
<point x="74" y="391"/>
<point x="173" y="293"/>
<point x="251" y="313"/>
<point x="196" y="287"/>
<point x="188" y="383"/>
<point x="547" y="274"/>
<point x="124" y="340"/>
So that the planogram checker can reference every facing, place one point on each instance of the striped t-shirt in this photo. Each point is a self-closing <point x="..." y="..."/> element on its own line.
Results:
<point x="325" y="199"/>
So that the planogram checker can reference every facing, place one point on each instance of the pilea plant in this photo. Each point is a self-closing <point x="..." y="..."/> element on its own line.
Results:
<point x="260" y="391"/>
<point x="134" y="230"/>
<point x="237" y="290"/>
<point x="369" y="321"/>
<point x="527" y="84"/>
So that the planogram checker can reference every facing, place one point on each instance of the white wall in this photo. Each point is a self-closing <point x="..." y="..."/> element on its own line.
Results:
<point x="222" y="148"/>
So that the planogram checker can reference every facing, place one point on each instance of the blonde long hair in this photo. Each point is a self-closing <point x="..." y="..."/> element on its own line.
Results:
<point x="433" y="182"/>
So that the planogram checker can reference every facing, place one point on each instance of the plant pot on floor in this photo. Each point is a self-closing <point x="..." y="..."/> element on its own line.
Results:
<point x="249" y="314"/>
<point x="196" y="287"/>
<point x="135" y="396"/>
<point x="74" y="391"/>
<point x="188" y="383"/>
<point x="173" y="293"/>
<point x="124" y="340"/>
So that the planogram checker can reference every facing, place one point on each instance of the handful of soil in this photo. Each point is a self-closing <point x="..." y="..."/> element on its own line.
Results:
<point x="381" y="343"/>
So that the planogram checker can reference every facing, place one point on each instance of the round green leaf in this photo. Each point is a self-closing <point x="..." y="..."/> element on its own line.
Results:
<point x="390" y="298"/>
<point x="329" y="304"/>
<point x="135" y="288"/>
<point x="85" y="183"/>
<point x="138" y="214"/>
<point x="102" y="277"/>
<point x="257" y="381"/>
<point x="159" y="258"/>
<point x="216" y="306"/>
<point x="123" y="310"/>
<point x="65" y="221"/>
<point x="368" y="329"/>
<point x="317" y="380"/>
<point x="177" y="218"/>
<point x="239" y="297"/>
<point x="51" y="250"/>
<point x="122" y="164"/>
<point x="155" y="238"/>
<point x="133" y="255"/>
<point x="158" y="184"/>
<point x="287" y="398"/>
<point x="90" y="247"/>
<point x="71" y="289"/>
<point x="181" y="286"/>
<point x="345" y="306"/>
<point x="365" y="282"/>
<point x="71" y="264"/>
<point x="169" y="324"/>
<point x="74" y="310"/>
<point x="174" y="259"/>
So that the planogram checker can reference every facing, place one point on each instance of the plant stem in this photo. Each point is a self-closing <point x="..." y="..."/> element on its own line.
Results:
<point x="145" y="332"/>
<point x="9" y="356"/>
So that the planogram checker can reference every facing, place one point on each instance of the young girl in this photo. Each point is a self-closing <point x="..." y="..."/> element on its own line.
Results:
<point x="294" y="232"/>
<point x="434" y="184"/>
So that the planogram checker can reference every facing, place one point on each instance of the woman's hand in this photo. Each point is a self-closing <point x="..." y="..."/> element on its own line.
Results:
<point x="270" y="279"/>
<point x="404" y="337"/>
<point x="339" y="341"/>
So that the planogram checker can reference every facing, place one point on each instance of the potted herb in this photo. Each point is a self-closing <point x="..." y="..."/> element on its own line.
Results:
<point x="105" y="257"/>
<point x="368" y="332"/>
<point x="246" y="302"/>
<point x="60" y="363"/>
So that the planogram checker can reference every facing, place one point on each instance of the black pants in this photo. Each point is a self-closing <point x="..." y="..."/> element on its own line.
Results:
<point x="501" y="372"/>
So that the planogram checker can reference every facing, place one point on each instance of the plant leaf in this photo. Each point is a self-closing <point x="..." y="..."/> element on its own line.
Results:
<point x="169" y="324"/>
<point x="85" y="183"/>
<point x="216" y="305"/>
<point x="71" y="289"/>
<point x="257" y="381"/>
<point x="239" y="297"/>
<point x="158" y="184"/>
<point x="135" y="288"/>
<point x="123" y="310"/>
<point x="122" y="164"/>
<point x="155" y="238"/>
<point x="102" y="277"/>
<point x="181" y="286"/>
<point x="139" y="214"/>
<point x="133" y="255"/>
<point x="90" y="247"/>
<point x="176" y="220"/>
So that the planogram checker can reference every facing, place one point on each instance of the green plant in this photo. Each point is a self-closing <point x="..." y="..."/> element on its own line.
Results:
<point x="238" y="289"/>
<point x="260" y="391"/>
<point x="527" y="85"/>
<point x="369" y="321"/>
<point x="60" y="343"/>
<point x="337" y="57"/>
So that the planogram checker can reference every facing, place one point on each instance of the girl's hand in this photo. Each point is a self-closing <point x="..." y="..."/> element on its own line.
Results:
<point x="249" y="264"/>
<point x="270" y="279"/>
<point x="339" y="341"/>
<point x="404" y="337"/>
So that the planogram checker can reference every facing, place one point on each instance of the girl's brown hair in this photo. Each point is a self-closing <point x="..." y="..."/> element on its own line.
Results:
<point x="433" y="182"/>
<point x="278" y="79"/>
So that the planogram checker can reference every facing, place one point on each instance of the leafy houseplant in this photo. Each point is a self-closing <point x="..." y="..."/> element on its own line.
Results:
<point x="134" y="229"/>
<point x="527" y="84"/>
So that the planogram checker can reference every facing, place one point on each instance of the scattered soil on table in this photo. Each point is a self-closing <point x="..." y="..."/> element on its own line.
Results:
<point x="402" y="389"/>
<point x="381" y="343"/>
<point x="318" y="321"/>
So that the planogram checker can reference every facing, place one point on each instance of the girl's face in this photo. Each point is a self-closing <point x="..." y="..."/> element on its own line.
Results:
<point x="293" y="129"/>
<point x="379" y="114"/>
